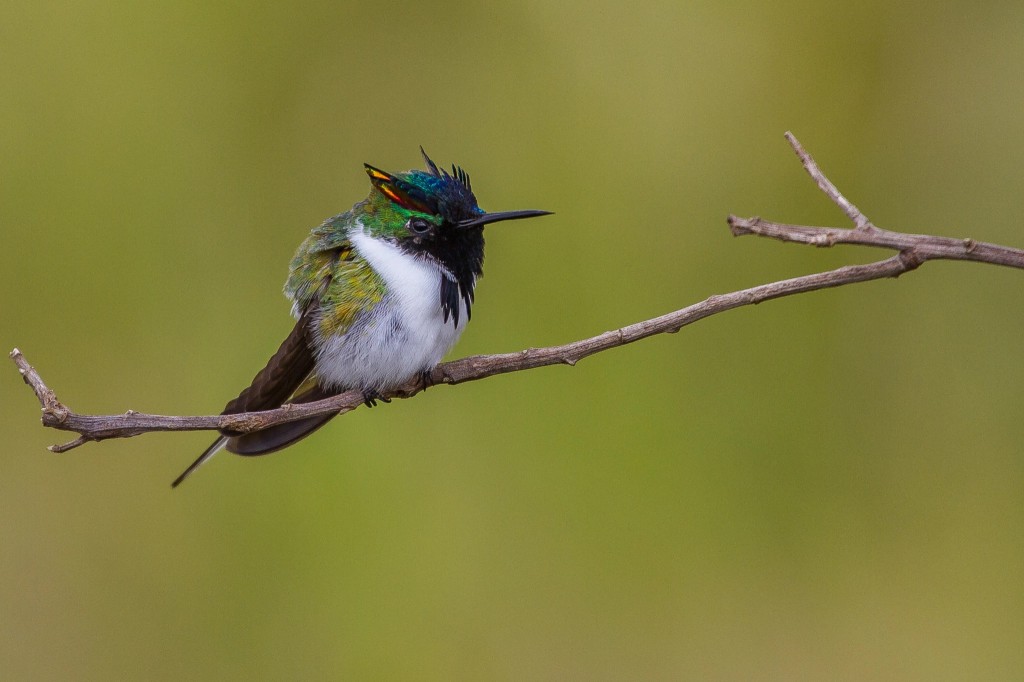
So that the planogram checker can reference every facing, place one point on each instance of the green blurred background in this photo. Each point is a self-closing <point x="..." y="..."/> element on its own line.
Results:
<point x="824" y="487"/>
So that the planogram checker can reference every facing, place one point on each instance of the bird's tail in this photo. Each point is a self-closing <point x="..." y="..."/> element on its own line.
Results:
<point x="270" y="388"/>
<point x="281" y="436"/>
<point x="268" y="440"/>
<point x="209" y="452"/>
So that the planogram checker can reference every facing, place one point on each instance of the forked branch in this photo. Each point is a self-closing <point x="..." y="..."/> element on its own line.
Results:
<point x="911" y="251"/>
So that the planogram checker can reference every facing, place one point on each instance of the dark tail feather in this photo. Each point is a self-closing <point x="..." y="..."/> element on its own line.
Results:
<point x="207" y="454"/>
<point x="276" y="437"/>
<point x="268" y="440"/>
<point x="271" y="387"/>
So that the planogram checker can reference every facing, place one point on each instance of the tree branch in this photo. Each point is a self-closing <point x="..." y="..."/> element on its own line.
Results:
<point x="912" y="251"/>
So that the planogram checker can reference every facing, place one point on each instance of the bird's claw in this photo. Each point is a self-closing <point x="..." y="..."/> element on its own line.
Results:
<point x="371" y="396"/>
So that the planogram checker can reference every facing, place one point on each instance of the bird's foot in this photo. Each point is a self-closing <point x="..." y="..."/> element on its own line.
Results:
<point x="371" y="396"/>
<point x="425" y="379"/>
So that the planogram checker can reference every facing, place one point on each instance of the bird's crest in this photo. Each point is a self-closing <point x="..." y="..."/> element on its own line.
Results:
<point x="402" y="192"/>
<point x="457" y="172"/>
<point x="436" y="191"/>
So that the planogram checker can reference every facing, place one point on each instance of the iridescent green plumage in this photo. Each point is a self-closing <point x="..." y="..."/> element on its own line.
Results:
<point x="336" y="283"/>
<point x="327" y="272"/>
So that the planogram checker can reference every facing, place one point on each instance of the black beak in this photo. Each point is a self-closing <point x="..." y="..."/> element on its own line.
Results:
<point x="504" y="215"/>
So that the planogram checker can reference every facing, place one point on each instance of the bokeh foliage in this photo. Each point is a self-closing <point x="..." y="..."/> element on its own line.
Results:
<point x="824" y="487"/>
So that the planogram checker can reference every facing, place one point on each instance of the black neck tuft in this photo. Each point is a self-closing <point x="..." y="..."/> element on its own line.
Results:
<point x="460" y="251"/>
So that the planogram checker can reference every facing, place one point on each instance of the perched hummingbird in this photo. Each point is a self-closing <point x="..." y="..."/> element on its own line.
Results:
<point x="380" y="294"/>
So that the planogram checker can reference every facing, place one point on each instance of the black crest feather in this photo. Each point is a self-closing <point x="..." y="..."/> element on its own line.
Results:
<point x="457" y="172"/>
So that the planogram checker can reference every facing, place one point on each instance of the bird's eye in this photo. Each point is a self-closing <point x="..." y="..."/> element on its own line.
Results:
<point x="419" y="226"/>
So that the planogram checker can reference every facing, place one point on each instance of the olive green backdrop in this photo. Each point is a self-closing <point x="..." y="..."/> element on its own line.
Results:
<point x="824" y="487"/>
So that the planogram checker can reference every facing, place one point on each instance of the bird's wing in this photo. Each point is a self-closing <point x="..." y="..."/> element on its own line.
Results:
<point x="285" y="372"/>
<point x="353" y="289"/>
<point x="336" y="288"/>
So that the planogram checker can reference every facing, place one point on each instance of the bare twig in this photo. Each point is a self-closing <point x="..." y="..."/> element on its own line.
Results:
<point x="913" y="250"/>
<point x="860" y="221"/>
<point x="926" y="247"/>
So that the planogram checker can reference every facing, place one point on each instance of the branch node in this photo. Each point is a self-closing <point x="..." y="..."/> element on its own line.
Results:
<point x="55" y="414"/>
<point x="824" y="240"/>
<point x="446" y="375"/>
<point x="910" y="259"/>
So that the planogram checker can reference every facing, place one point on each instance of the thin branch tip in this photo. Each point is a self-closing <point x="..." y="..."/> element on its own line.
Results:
<point x="856" y="216"/>
<point x="740" y="227"/>
<point x="64" y="447"/>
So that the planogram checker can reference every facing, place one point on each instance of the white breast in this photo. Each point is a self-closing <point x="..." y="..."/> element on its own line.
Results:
<point x="404" y="335"/>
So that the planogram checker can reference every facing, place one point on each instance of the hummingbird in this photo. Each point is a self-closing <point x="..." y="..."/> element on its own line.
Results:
<point x="379" y="293"/>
